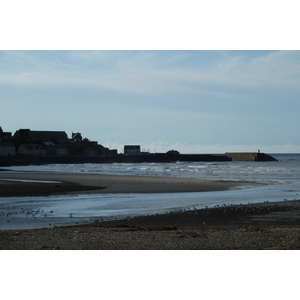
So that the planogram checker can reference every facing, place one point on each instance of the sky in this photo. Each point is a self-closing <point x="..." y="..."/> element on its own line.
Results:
<point x="193" y="101"/>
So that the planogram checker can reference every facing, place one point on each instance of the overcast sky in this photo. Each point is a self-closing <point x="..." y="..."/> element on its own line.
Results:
<point x="194" y="101"/>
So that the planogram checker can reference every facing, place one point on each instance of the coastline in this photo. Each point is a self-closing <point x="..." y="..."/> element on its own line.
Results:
<point x="268" y="226"/>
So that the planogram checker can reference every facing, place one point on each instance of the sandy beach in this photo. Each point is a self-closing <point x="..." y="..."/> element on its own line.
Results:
<point x="11" y="184"/>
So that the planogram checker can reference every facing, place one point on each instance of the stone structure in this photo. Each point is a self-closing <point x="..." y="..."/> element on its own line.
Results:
<point x="132" y="149"/>
<point x="249" y="156"/>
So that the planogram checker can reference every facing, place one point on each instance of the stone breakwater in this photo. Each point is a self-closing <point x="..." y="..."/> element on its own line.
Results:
<point x="249" y="156"/>
<point x="121" y="158"/>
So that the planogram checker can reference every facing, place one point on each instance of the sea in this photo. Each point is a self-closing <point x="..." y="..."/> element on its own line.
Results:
<point x="28" y="212"/>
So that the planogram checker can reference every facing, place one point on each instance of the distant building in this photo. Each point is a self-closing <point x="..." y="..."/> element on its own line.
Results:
<point x="4" y="135"/>
<point x="7" y="149"/>
<point x="33" y="150"/>
<point x="173" y="152"/>
<point x="22" y="134"/>
<point x="112" y="152"/>
<point x="7" y="135"/>
<point x="56" y="137"/>
<point x="28" y="142"/>
<point x="104" y="152"/>
<point x="76" y="137"/>
<point x="132" y="149"/>
<point x="61" y="151"/>
<point x="50" y="148"/>
<point x="90" y="152"/>
<point x="56" y="150"/>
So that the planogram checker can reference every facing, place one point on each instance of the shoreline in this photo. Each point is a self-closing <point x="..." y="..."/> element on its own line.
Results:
<point x="271" y="226"/>
<point x="96" y="183"/>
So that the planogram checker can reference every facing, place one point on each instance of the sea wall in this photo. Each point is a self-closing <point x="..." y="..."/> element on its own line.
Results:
<point x="121" y="158"/>
<point x="249" y="156"/>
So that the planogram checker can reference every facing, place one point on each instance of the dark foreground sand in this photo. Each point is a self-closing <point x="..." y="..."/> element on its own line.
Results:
<point x="260" y="226"/>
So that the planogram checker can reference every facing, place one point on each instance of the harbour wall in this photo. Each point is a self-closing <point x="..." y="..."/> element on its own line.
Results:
<point x="121" y="158"/>
<point x="249" y="156"/>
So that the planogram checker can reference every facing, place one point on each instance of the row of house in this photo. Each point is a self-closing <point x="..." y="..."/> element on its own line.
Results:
<point x="27" y="135"/>
<point x="45" y="149"/>
<point x="26" y="142"/>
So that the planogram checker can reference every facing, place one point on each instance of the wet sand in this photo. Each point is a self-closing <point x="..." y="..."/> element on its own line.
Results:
<point x="94" y="183"/>
<point x="269" y="226"/>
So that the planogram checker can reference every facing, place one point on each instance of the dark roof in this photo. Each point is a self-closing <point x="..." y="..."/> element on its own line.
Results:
<point x="132" y="146"/>
<point x="27" y="134"/>
<point x="173" y="152"/>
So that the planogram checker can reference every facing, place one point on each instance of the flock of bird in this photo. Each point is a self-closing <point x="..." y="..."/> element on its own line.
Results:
<point x="28" y="212"/>
<point x="47" y="218"/>
<point x="38" y="214"/>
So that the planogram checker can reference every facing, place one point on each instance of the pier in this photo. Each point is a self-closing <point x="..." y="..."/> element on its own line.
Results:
<point x="142" y="158"/>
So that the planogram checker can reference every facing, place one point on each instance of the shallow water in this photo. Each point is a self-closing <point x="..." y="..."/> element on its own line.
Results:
<point x="22" y="212"/>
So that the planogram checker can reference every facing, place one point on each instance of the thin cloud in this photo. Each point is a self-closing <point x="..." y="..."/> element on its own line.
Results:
<point x="139" y="73"/>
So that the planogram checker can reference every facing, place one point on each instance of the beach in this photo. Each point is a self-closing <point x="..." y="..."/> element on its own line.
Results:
<point x="262" y="226"/>
<point x="33" y="184"/>
<point x="255" y="226"/>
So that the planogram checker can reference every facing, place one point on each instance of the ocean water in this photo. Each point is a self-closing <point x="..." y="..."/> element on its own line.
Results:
<point x="24" y="212"/>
